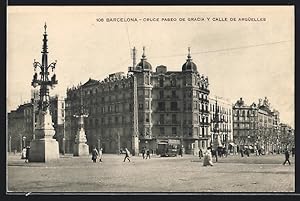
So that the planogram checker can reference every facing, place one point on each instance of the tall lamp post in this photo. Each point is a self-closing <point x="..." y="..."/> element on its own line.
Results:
<point x="80" y="146"/>
<point x="9" y="144"/>
<point x="216" y="139"/>
<point x="44" y="148"/>
<point x="64" y="137"/>
<point x="24" y="141"/>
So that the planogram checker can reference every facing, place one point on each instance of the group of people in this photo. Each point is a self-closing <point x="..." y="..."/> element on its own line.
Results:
<point x="147" y="152"/>
<point x="97" y="155"/>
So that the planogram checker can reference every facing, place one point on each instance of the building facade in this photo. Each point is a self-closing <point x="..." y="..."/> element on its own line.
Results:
<point x="22" y="122"/>
<point x="223" y="107"/>
<point x="257" y="125"/>
<point x="142" y="108"/>
<point x="286" y="137"/>
<point x="110" y="107"/>
<point x="20" y="127"/>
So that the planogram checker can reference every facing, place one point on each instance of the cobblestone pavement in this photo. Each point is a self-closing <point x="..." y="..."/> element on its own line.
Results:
<point x="173" y="174"/>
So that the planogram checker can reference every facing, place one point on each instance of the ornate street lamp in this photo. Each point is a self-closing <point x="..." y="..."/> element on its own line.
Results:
<point x="80" y="146"/>
<point x="24" y="141"/>
<point x="216" y="139"/>
<point x="44" y="148"/>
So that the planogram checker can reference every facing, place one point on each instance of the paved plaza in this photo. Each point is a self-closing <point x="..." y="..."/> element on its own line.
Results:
<point x="173" y="174"/>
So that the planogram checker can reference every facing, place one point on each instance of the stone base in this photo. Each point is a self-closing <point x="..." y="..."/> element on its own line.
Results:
<point x="81" y="149"/>
<point x="43" y="150"/>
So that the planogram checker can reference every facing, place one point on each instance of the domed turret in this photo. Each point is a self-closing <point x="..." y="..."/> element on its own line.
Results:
<point x="189" y="65"/>
<point x="144" y="65"/>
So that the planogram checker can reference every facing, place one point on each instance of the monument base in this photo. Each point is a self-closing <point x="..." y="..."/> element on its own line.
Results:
<point x="81" y="149"/>
<point x="43" y="150"/>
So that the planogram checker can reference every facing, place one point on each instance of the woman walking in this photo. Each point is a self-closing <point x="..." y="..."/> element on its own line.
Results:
<point x="95" y="155"/>
<point x="127" y="154"/>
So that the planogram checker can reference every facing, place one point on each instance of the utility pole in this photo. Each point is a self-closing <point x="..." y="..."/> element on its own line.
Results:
<point x="119" y="142"/>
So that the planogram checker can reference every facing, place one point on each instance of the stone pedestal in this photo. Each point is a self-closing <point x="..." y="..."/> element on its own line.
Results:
<point x="135" y="146"/>
<point x="80" y="146"/>
<point x="44" y="148"/>
<point x="81" y="149"/>
<point x="196" y="148"/>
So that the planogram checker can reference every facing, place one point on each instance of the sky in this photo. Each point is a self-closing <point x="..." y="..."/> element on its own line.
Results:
<point x="248" y="59"/>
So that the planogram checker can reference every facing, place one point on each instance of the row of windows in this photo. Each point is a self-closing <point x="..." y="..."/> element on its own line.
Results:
<point x="238" y="118"/>
<point x="244" y="113"/>
<point x="221" y="109"/>
<point x="107" y="120"/>
<point x="120" y="107"/>
<point x="186" y="131"/>
<point x="102" y="98"/>
<point x="246" y="126"/>
<point x="162" y="83"/>
<point x="110" y="88"/>
<point x="162" y="106"/>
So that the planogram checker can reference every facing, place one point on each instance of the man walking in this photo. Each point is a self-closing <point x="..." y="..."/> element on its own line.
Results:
<point x="180" y="151"/>
<point x="287" y="157"/>
<point x="143" y="152"/>
<point x="148" y="154"/>
<point x="200" y="153"/>
<point x="127" y="153"/>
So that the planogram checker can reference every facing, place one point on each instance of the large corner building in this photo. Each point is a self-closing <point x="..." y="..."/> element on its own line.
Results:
<point x="143" y="108"/>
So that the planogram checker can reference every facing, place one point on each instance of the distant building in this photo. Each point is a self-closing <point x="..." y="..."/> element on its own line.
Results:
<point x="20" y="127"/>
<point x="224" y="107"/>
<point x="143" y="108"/>
<point x="286" y="138"/>
<point x="21" y="122"/>
<point x="256" y="125"/>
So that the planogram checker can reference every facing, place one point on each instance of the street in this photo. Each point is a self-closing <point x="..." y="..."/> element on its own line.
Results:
<point x="173" y="174"/>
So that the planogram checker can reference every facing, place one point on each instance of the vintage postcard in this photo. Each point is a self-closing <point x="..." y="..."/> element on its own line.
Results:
<point x="151" y="99"/>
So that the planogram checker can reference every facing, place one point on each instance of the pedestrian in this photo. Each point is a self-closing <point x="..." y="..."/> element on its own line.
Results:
<point x="207" y="160"/>
<point x="94" y="154"/>
<point x="100" y="154"/>
<point x="247" y="152"/>
<point x="180" y="151"/>
<point x="242" y="153"/>
<point x="293" y="151"/>
<point x="27" y="154"/>
<point x="287" y="157"/>
<point x="127" y="154"/>
<point x="23" y="154"/>
<point x="200" y="153"/>
<point x="148" y="153"/>
<point x="143" y="152"/>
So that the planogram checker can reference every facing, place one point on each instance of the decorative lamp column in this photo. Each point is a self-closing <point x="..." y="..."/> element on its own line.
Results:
<point x="44" y="148"/>
<point x="80" y="146"/>
<point x="216" y="140"/>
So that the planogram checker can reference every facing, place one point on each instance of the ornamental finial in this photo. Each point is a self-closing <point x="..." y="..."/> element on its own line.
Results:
<point x="189" y="52"/>
<point x="144" y="52"/>
<point x="45" y="27"/>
